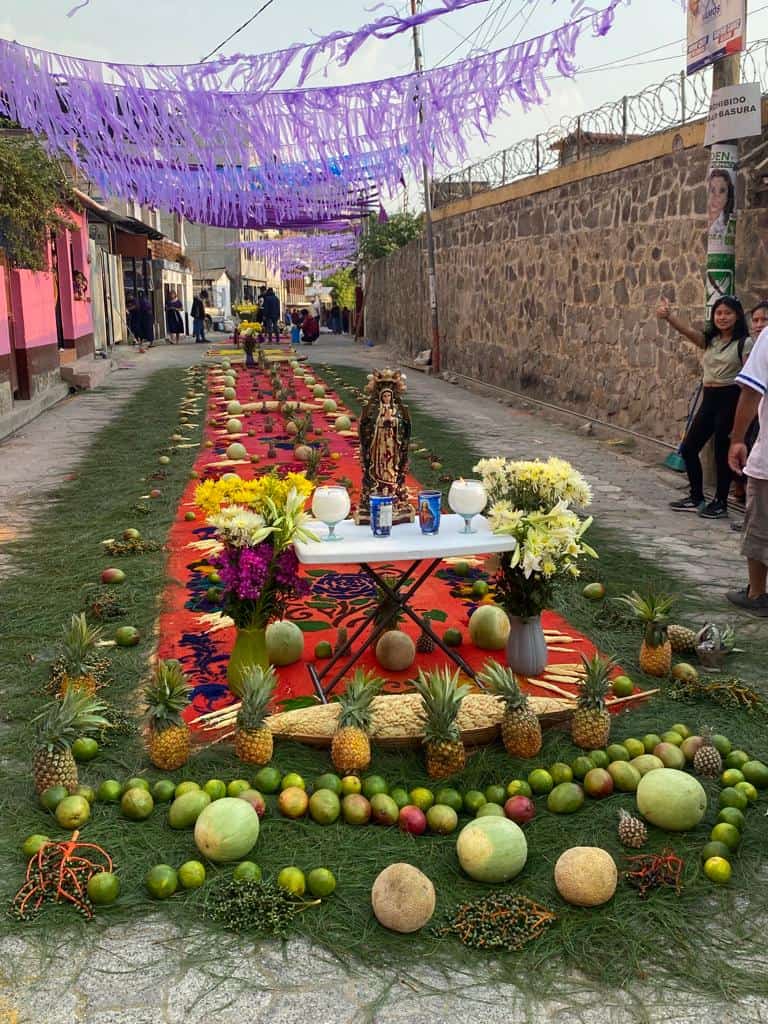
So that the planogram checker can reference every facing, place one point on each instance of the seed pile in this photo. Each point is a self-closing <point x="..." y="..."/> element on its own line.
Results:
<point x="135" y="546"/>
<point x="655" y="871"/>
<point x="728" y="693"/>
<point x="502" y="920"/>
<point x="259" y="908"/>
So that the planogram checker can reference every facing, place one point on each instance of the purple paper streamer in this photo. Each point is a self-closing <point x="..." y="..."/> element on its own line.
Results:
<point x="78" y="7"/>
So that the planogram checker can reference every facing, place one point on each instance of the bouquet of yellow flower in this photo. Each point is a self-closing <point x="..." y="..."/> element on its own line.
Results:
<point x="531" y="501"/>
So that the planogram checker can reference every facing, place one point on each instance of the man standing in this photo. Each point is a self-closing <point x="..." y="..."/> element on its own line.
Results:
<point x="753" y="380"/>
<point x="271" y="315"/>
<point x="198" y="317"/>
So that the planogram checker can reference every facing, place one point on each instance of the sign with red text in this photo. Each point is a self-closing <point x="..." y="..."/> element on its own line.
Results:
<point x="716" y="28"/>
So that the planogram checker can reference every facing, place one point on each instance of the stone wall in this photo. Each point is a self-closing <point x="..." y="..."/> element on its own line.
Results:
<point x="552" y="293"/>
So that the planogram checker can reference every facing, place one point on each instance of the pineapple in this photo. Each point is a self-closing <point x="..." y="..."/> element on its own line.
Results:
<point x="59" y="723"/>
<point x="168" y="737"/>
<point x="632" y="831"/>
<point x="442" y="696"/>
<point x="424" y="643"/>
<point x="78" y="656"/>
<point x="682" y="639"/>
<point x="253" y="739"/>
<point x="351" y="745"/>
<point x="520" y="727"/>
<point x="591" y="723"/>
<point x="707" y="761"/>
<point x="656" y="648"/>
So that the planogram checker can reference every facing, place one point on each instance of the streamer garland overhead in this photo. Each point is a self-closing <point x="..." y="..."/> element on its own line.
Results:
<point x="302" y="253"/>
<point x="214" y="142"/>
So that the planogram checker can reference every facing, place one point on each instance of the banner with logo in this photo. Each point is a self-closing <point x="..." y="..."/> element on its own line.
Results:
<point x="716" y="28"/>
<point x="721" y="222"/>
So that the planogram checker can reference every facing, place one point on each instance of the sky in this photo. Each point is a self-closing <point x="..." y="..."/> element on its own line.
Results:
<point x="644" y="46"/>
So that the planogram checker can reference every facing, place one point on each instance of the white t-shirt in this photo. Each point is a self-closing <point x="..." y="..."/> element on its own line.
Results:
<point x="754" y="374"/>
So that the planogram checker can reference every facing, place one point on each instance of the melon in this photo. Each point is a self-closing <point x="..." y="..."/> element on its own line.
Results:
<point x="234" y="408"/>
<point x="227" y="830"/>
<point x="230" y="476"/>
<point x="489" y="628"/>
<point x="492" y="849"/>
<point x="645" y="763"/>
<point x="318" y="391"/>
<point x="395" y="651"/>
<point x="403" y="898"/>
<point x="342" y="423"/>
<point x="230" y="393"/>
<point x="303" y="452"/>
<point x="671" y="799"/>
<point x="586" y="876"/>
<point x="185" y="809"/>
<point x="285" y="642"/>
<point x="329" y="405"/>
<point x="236" y="451"/>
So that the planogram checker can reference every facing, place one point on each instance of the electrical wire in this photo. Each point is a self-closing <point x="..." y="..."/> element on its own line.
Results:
<point x="237" y="31"/>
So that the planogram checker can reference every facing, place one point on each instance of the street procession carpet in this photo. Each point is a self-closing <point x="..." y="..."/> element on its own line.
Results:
<point x="192" y="627"/>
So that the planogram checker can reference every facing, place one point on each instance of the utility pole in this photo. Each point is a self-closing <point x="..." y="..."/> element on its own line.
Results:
<point x="429" y="230"/>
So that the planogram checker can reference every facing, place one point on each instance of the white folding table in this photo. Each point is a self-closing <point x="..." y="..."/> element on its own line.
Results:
<point x="406" y="543"/>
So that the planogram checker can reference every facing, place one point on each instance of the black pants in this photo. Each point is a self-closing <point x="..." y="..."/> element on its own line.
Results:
<point x="715" y="416"/>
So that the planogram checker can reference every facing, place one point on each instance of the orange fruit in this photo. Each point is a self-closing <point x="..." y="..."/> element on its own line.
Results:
<point x="718" y="870"/>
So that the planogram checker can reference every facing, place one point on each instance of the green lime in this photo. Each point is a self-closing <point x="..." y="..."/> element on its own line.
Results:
<point x="622" y="686"/>
<point x="651" y="740"/>
<point x="85" y="748"/>
<point x="453" y="638"/>
<point x="137" y="804"/>
<point x="449" y="797"/>
<point x="718" y="870"/>
<point x="540" y="781"/>
<point x="32" y="844"/>
<point x="323" y="649"/>
<point x="494" y="794"/>
<point x="136" y="782"/>
<point x="599" y="758"/>
<point x="290" y="780"/>
<point x="328" y="780"/>
<point x="757" y="773"/>
<point x="292" y="879"/>
<point x="731" y="776"/>
<point x="51" y="798"/>
<point x="725" y="833"/>
<point x="162" y="881"/>
<point x="235" y="787"/>
<point x="109" y="791"/>
<point x="88" y="792"/>
<point x="732" y="816"/>
<point x="191" y="874"/>
<point x="491" y="810"/>
<point x="247" y="871"/>
<point x="401" y="797"/>
<point x="473" y="801"/>
<point x="748" y="790"/>
<point x="716" y="849"/>
<point x="519" y="787"/>
<point x="736" y="759"/>
<point x="480" y="588"/>
<point x="422" y="798"/>
<point x="103" y="888"/>
<point x="580" y="766"/>
<point x="560" y="772"/>
<point x="321" y="882"/>
<point x="722" y="744"/>
<point x="461" y="568"/>
<point x="186" y="787"/>
<point x="635" y="747"/>
<point x="374" y="784"/>
<point x="618" y="752"/>
<point x="732" y="797"/>
<point x="217" y="789"/>
<point x="267" y="779"/>
<point x="163" y="791"/>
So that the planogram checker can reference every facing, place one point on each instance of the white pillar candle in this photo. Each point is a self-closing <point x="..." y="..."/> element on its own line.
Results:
<point x="467" y="497"/>
<point x="330" y="504"/>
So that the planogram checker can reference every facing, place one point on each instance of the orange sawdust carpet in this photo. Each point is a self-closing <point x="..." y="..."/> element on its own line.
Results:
<point x="192" y="627"/>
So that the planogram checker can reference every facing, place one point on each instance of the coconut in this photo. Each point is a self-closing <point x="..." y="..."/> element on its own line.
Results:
<point x="586" y="876"/>
<point x="671" y="799"/>
<point x="234" y="426"/>
<point x="403" y="898"/>
<point x="285" y="642"/>
<point x="489" y="628"/>
<point x="236" y="451"/>
<point x="395" y="651"/>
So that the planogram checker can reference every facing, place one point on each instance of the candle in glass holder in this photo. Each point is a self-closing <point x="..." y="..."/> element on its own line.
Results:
<point x="467" y="498"/>
<point x="330" y="505"/>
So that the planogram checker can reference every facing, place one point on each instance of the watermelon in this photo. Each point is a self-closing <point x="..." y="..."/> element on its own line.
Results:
<point x="227" y="830"/>
<point x="492" y="849"/>
<point x="285" y="642"/>
<point x="671" y="799"/>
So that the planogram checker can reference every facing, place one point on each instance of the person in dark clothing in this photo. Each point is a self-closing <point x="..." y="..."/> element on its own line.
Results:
<point x="310" y="328"/>
<point x="198" y="317"/>
<point x="146" y="320"/>
<point x="173" y="321"/>
<point x="335" y="319"/>
<point x="271" y="319"/>
<point x="345" y="319"/>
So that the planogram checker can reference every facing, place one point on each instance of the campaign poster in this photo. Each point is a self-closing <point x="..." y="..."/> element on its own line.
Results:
<point x="721" y="222"/>
<point x="716" y="28"/>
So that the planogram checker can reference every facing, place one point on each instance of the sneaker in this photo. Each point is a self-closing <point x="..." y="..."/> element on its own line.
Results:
<point x="737" y="527"/>
<point x="754" y="605"/>
<point x="688" y="504"/>
<point x="714" y="510"/>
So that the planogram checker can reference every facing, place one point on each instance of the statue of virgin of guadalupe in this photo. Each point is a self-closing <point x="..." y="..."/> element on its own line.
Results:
<point x="385" y="431"/>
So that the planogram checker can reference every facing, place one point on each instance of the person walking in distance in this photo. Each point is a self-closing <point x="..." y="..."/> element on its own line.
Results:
<point x="173" y="321"/>
<point x="271" y="318"/>
<point x="753" y="381"/>
<point x="198" y="317"/>
<point x="725" y="342"/>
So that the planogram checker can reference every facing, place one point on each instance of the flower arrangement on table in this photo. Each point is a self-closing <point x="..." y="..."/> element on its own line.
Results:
<point x="532" y="502"/>
<point x="256" y="522"/>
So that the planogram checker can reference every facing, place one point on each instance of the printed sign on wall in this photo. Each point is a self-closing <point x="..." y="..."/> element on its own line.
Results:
<point x="716" y="28"/>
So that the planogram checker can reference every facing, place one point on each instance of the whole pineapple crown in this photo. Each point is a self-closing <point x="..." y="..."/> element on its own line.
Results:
<point x="258" y="685"/>
<point x="652" y="610"/>
<point x="62" y="721"/>
<point x="166" y="696"/>
<point x="441" y="695"/>
<point x="356" y="700"/>
<point x="503" y="682"/>
<point x="78" y="641"/>
<point x="594" y="687"/>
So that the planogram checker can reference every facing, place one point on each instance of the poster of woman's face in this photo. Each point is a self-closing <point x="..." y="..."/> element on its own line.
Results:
<point x="720" y="197"/>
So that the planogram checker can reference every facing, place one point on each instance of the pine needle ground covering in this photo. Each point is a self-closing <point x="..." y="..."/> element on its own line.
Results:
<point x="704" y="940"/>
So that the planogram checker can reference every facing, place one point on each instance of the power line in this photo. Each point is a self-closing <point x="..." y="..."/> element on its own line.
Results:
<point x="237" y="31"/>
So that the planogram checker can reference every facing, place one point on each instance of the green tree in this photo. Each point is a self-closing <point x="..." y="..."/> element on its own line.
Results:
<point x="33" y="194"/>
<point x="342" y="285"/>
<point x="381" y="239"/>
